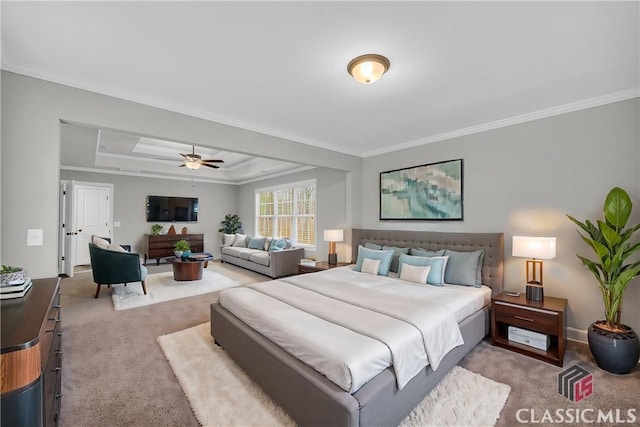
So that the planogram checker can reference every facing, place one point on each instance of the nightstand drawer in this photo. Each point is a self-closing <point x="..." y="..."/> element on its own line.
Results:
<point x="535" y="319"/>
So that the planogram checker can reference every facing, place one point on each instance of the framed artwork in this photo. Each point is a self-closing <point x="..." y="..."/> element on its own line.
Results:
<point x="426" y="192"/>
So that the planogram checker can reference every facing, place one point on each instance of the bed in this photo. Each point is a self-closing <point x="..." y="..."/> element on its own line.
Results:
<point x="310" y="397"/>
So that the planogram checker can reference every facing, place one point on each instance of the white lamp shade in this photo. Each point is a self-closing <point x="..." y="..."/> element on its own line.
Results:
<point x="534" y="247"/>
<point x="333" y="236"/>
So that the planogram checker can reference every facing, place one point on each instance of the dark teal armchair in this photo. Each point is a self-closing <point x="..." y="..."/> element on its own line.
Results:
<point x="112" y="267"/>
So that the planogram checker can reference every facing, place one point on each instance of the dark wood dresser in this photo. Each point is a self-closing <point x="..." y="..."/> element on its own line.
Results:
<point x="31" y="356"/>
<point x="161" y="245"/>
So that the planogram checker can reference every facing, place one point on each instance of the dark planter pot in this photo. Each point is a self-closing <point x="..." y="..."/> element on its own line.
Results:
<point x="614" y="352"/>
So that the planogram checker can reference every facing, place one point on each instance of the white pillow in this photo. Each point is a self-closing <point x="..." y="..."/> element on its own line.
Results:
<point x="117" y="248"/>
<point x="267" y="243"/>
<point x="100" y="242"/>
<point x="415" y="273"/>
<point x="240" y="240"/>
<point x="227" y="239"/>
<point x="370" y="266"/>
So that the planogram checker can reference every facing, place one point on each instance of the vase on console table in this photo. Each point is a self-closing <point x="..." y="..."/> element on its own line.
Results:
<point x="177" y="254"/>
<point x="186" y="254"/>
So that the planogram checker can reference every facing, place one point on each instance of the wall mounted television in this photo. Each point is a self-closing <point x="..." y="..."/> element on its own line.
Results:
<point x="172" y="209"/>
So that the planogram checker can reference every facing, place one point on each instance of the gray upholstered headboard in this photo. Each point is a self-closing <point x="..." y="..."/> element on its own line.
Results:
<point x="492" y="243"/>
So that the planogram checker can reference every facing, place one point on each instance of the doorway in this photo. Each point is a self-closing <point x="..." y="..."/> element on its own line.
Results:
<point x="86" y="209"/>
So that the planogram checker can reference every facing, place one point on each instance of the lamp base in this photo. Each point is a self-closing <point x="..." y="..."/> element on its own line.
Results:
<point x="535" y="293"/>
<point x="333" y="259"/>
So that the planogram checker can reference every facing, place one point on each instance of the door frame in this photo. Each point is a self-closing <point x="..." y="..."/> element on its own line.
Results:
<point x="68" y="221"/>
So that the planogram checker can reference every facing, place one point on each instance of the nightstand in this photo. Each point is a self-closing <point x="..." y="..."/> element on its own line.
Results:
<point x="548" y="316"/>
<point x="319" y="266"/>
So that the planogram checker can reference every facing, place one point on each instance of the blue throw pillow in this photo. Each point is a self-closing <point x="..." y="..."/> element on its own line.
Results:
<point x="257" y="243"/>
<point x="464" y="268"/>
<point x="426" y="253"/>
<point x="396" y="256"/>
<point x="373" y="246"/>
<point x="383" y="256"/>
<point x="438" y="267"/>
<point x="277" y="245"/>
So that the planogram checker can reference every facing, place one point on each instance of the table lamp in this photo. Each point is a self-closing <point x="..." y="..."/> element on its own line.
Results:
<point x="536" y="248"/>
<point x="333" y="236"/>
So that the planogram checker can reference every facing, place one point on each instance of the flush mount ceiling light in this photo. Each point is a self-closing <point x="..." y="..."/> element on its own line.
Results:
<point x="368" y="68"/>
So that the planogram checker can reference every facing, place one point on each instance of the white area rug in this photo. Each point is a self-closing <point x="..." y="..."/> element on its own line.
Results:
<point x="221" y="394"/>
<point x="161" y="287"/>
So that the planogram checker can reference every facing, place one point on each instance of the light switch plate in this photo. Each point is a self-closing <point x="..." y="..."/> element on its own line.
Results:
<point x="35" y="237"/>
<point x="116" y="223"/>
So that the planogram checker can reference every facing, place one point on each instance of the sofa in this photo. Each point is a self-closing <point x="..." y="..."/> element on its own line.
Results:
<point x="271" y="257"/>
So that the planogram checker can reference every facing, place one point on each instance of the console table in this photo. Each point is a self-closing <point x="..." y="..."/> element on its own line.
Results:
<point x="161" y="245"/>
<point x="31" y="357"/>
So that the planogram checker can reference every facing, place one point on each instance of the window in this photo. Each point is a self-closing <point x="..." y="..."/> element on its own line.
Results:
<point x="288" y="212"/>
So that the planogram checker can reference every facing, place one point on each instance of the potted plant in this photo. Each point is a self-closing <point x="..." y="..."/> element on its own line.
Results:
<point x="231" y="224"/>
<point x="614" y="346"/>
<point x="181" y="249"/>
<point x="156" y="229"/>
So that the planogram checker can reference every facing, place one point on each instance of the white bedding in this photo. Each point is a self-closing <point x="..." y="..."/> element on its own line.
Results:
<point x="350" y="326"/>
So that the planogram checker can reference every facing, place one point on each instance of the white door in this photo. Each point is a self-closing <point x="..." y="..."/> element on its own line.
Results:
<point x="92" y="218"/>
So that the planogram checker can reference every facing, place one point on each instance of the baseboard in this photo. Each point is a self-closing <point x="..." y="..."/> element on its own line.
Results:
<point x="578" y="335"/>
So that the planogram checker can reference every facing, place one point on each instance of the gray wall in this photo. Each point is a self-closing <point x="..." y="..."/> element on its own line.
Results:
<point x="31" y="113"/>
<point x="522" y="179"/>
<point x="333" y="206"/>
<point x="129" y="197"/>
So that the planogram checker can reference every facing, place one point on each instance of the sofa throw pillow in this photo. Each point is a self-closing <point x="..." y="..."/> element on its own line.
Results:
<point x="436" y="273"/>
<point x="227" y="239"/>
<point x="370" y="266"/>
<point x="277" y="245"/>
<point x="256" y="243"/>
<point x="240" y="241"/>
<point x="267" y="243"/>
<point x="383" y="256"/>
<point x="415" y="273"/>
<point x="464" y="268"/>
<point x="396" y="256"/>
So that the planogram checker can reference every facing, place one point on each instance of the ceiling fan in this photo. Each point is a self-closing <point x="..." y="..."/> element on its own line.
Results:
<point x="194" y="161"/>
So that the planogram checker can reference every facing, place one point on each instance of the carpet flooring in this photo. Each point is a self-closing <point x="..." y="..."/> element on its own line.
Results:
<point x="114" y="373"/>
<point x="221" y="394"/>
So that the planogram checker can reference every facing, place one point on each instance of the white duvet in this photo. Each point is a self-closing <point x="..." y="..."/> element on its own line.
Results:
<point x="350" y="326"/>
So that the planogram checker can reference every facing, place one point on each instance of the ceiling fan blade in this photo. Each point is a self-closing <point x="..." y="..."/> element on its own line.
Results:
<point x="213" y="161"/>
<point x="191" y="157"/>
<point x="210" y="166"/>
<point x="183" y="165"/>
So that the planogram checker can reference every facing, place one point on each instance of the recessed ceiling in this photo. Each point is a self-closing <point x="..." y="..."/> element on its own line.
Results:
<point x="280" y="67"/>
<point x="86" y="148"/>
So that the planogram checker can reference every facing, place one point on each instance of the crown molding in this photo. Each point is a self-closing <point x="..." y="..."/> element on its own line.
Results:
<point x="523" y="118"/>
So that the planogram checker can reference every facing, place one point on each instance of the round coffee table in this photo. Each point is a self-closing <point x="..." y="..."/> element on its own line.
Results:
<point x="189" y="268"/>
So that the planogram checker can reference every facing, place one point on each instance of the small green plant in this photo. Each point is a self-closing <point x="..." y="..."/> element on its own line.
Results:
<point x="181" y="245"/>
<point x="231" y="224"/>
<point x="9" y="269"/>
<point x="156" y="229"/>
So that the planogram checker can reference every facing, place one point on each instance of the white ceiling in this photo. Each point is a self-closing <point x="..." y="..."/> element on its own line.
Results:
<point x="280" y="67"/>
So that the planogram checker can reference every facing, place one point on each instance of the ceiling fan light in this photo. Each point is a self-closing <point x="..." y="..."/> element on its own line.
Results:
<point x="192" y="165"/>
<point x="368" y="68"/>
